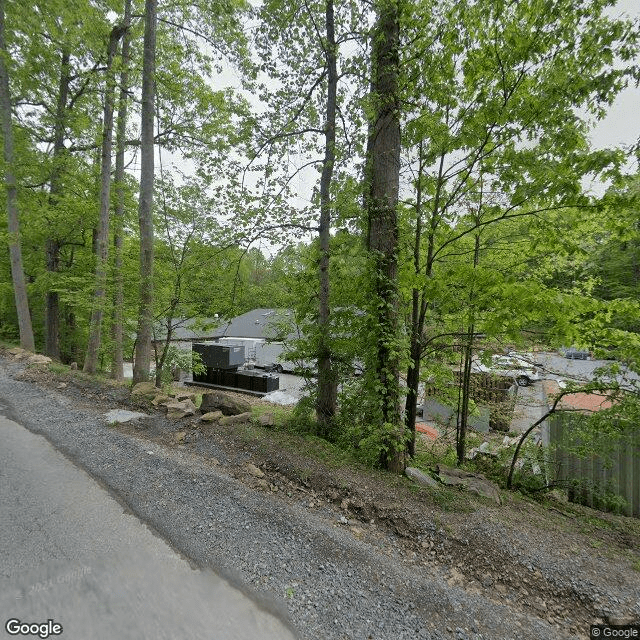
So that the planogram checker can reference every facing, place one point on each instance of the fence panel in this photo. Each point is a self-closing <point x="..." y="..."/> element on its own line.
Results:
<point x="589" y="479"/>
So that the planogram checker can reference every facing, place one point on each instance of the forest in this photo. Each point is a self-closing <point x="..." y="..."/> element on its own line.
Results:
<point x="415" y="179"/>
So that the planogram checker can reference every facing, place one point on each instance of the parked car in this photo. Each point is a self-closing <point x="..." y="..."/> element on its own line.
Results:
<point x="572" y="353"/>
<point x="524" y="373"/>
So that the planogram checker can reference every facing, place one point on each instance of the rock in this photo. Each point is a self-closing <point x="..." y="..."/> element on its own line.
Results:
<point x="472" y="482"/>
<point x="457" y="578"/>
<point x="212" y="416"/>
<point x="482" y="487"/>
<point x="19" y="352"/>
<point x="540" y="605"/>
<point x="178" y="410"/>
<point x="145" y="389"/>
<point x="236" y="419"/>
<point x="420" y="477"/>
<point x="121" y="415"/>
<point x="184" y="395"/>
<point x="38" y="358"/>
<point x="179" y="436"/>
<point x="620" y="619"/>
<point x="61" y="385"/>
<point x="161" y="398"/>
<point x="487" y="580"/>
<point x="262" y="484"/>
<point x="255" y="471"/>
<point x="229" y="405"/>
<point x="267" y="420"/>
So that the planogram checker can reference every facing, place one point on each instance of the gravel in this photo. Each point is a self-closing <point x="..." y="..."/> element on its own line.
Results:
<point x="333" y="578"/>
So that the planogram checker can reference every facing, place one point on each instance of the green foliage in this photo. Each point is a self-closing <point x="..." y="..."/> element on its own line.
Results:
<point x="180" y="359"/>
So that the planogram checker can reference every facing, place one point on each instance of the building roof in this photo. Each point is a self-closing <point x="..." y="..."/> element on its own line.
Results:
<point x="259" y="323"/>
<point x="588" y="402"/>
<point x="267" y="324"/>
<point x="189" y="329"/>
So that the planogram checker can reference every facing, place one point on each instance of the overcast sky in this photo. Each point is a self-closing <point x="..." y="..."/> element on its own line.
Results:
<point x="622" y="124"/>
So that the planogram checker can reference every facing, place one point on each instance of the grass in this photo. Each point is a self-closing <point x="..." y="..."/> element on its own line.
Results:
<point x="281" y="415"/>
<point x="58" y="367"/>
<point x="598" y="523"/>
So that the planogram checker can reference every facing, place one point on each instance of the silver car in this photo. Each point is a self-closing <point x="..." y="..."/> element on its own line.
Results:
<point x="510" y="366"/>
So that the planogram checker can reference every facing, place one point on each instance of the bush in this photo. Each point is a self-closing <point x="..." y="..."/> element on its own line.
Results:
<point x="182" y="360"/>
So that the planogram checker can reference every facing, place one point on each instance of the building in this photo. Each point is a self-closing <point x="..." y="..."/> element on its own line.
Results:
<point x="263" y="333"/>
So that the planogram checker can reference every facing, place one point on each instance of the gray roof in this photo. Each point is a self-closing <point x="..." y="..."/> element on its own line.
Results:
<point x="190" y="329"/>
<point x="259" y="323"/>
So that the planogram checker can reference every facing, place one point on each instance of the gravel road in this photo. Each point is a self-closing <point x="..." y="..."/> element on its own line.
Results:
<point x="331" y="579"/>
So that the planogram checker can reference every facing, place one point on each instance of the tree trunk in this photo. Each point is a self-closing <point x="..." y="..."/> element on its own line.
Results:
<point x="419" y="300"/>
<point x="382" y="200"/>
<point x="415" y="347"/>
<point x="463" y="418"/>
<point x="463" y="413"/>
<point x="165" y="349"/>
<point x="102" y="238"/>
<point x="15" y="248"/>
<point x="327" y="384"/>
<point x="52" y="301"/>
<point x="117" y="358"/>
<point x="52" y="311"/>
<point x="142" y="363"/>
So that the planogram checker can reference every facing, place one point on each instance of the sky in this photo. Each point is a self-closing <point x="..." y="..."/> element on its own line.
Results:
<point x="620" y="127"/>
<point x="622" y="123"/>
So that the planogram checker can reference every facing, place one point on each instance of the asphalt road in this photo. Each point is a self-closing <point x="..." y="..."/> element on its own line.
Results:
<point x="70" y="553"/>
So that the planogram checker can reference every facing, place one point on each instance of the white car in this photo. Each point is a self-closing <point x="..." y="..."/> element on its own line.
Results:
<point x="509" y="366"/>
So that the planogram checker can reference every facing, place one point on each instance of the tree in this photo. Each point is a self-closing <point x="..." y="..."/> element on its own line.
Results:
<point x="15" y="249"/>
<point x="500" y="106"/>
<point x="142" y="362"/>
<point x="102" y="237"/>
<point x="383" y="177"/>
<point x="301" y="47"/>
<point x="117" y="358"/>
<point x="326" y="403"/>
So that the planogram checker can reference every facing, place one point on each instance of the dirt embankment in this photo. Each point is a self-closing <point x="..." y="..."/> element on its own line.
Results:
<point x="561" y="565"/>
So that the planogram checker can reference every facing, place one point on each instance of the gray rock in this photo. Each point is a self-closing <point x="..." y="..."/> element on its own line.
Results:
<point x="120" y="416"/>
<point x="236" y="419"/>
<point x="620" y="619"/>
<point x="255" y="471"/>
<point x="472" y="482"/>
<point x="184" y="395"/>
<point x="145" y="389"/>
<point x="177" y="410"/>
<point x="212" y="416"/>
<point x="230" y="406"/>
<point x="420" y="477"/>
<point x="267" y="420"/>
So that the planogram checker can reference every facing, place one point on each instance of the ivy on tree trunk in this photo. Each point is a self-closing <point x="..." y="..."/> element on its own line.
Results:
<point x="381" y="202"/>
